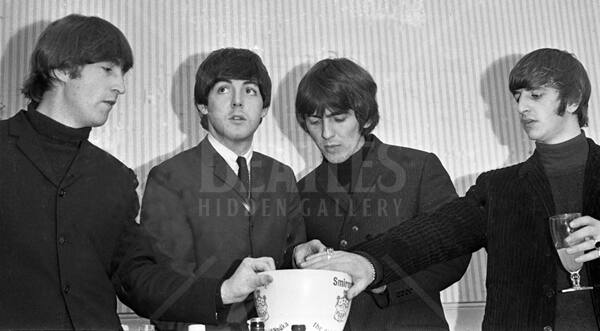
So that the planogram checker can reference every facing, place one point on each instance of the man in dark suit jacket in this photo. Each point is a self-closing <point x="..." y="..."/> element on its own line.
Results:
<point x="364" y="187"/>
<point x="207" y="208"/>
<point x="507" y="211"/>
<point x="66" y="203"/>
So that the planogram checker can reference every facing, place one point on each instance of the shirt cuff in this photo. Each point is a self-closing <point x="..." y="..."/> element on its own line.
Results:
<point x="221" y="309"/>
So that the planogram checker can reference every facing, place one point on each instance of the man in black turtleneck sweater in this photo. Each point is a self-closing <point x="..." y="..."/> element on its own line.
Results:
<point x="65" y="202"/>
<point x="564" y="165"/>
<point x="68" y="208"/>
<point x="507" y="213"/>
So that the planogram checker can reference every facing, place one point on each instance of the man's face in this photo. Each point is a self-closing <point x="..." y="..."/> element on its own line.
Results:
<point x="89" y="98"/>
<point x="234" y="111"/>
<point x="337" y="135"/>
<point x="539" y="115"/>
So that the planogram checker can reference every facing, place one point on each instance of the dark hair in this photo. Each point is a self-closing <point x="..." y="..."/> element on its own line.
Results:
<point x="230" y="63"/>
<point x="68" y="44"/>
<point x="557" y="69"/>
<point x="339" y="85"/>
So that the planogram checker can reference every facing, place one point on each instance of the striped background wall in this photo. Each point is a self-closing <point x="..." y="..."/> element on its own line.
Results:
<point x="441" y="67"/>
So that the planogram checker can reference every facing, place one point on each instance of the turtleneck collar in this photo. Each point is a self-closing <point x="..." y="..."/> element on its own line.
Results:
<point x="347" y="171"/>
<point x="54" y="130"/>
<point x="570" y="154"/>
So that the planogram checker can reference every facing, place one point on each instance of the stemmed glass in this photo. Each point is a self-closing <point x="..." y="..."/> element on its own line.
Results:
<point x="560" y="229"/>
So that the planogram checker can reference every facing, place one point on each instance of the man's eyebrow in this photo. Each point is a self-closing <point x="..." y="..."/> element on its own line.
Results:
<point x="230" y="81"/>
<point x="327" y="115"/>
<point x="336" y="113"/>
<point x="225" y="80"/>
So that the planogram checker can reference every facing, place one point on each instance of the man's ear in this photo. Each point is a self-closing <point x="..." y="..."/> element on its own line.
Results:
<point x="264" y="112"/>
<point x="572" y="107"/>
<point x="203" y="109"/>
<point x="60" y="75"/>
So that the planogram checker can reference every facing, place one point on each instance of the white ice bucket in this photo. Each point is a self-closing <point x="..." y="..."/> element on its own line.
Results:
<point x="313" y="298"/>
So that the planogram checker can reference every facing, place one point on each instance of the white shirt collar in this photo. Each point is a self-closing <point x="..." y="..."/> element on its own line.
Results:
<point x="228" y="155"/>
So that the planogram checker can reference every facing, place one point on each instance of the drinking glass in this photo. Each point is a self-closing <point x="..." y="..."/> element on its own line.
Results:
<point x="560" y="229"/>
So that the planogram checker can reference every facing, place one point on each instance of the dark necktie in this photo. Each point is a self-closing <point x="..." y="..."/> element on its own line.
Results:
<point x="244" y="176"/>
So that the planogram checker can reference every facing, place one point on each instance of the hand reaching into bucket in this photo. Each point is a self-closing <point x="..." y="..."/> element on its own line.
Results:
<point x="246" y="279"/>
<point x="302" y="251"/>
<point x="357" y="266"/>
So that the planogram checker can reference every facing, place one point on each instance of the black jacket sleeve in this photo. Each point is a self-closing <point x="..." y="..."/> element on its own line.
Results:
<point x="455" y="229"/>
<point x="435" y="189"/>
<point x="157" y="290"/>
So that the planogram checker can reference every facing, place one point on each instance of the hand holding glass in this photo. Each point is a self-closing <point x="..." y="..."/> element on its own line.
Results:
<point x="560" y="229"/>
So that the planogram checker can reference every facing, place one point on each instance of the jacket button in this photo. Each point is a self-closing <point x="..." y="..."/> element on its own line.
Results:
<point x="343" y="243"/>
<point x="355" y="228"/>
<point x="61" y="193"/>
<point x="61" y="240"/>
<point x="67" y="289"/>
<point x="547" y="328"/>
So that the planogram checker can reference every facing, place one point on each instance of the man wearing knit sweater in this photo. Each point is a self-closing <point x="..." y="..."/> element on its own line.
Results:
<point x="507" y="210"/>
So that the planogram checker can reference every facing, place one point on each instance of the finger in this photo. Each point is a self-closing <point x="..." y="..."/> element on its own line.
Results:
<point x="592" y="255"/>
<point x="299" y="253"/>
<point x="580" y="235"/>
<point x="581" y="221"/>
<point x="310" y="256"/>
<point x="262" y="264"/>
<point x="321" y="252"/>
<point x="582" y="247"/>
<point x="317" y="255"/>
<point x="263" y="280"/>
<point x="336" y="256"/>
<point x="356" y="289"/>
<point x="298" y="258"/>
<point x="318" y="245"/>
<point x="308" y="250"/>
<point x="271" y="263"/>
<point x="581" y="238"/>
<point x="314" y="263"/>
<point x="332" y="265"/>
<point x="310" y="263"/>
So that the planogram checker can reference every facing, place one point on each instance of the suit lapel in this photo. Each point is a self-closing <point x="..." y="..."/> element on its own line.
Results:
<point x="533" y="172"/>
<point x="80" y="164"/>
<point x="591" y="201"/>
<point x="259" y="176"/>
<point x="217" y="165"/>
<point x="591" y="182"/>
<point x="365" y="184"/>
<point x="29" y="144"/>
<point x="367" y="175"/>
<point x="327" y="183"/>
